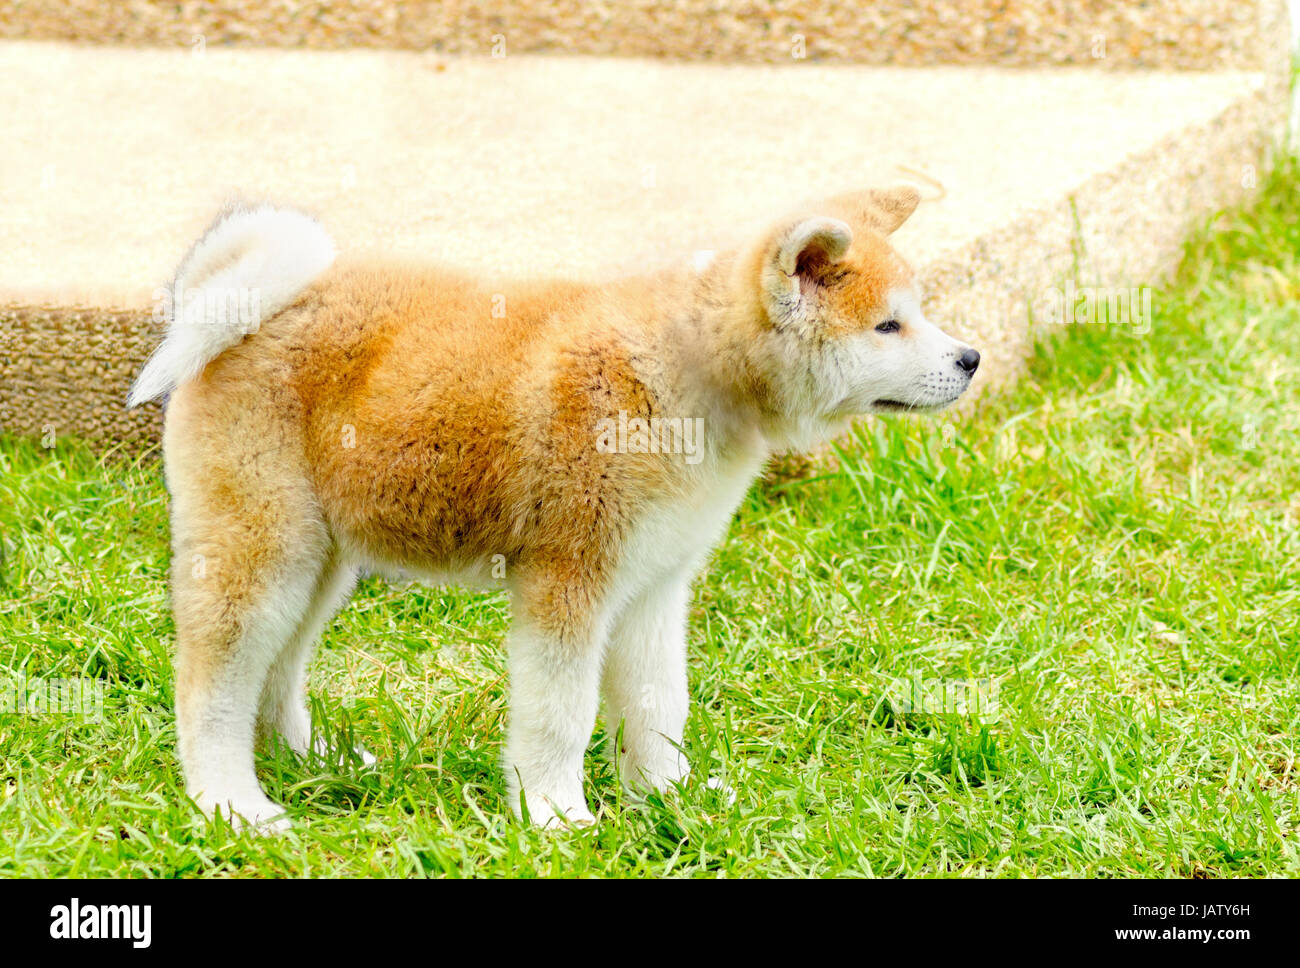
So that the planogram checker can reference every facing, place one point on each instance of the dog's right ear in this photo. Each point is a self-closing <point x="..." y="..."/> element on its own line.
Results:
<point x="812" y="244"/>
<point x="796" y="260"/>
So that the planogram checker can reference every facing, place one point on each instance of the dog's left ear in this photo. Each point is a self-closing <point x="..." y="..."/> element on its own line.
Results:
<point x="884" y="209"/>
<point x="894" y="205"/>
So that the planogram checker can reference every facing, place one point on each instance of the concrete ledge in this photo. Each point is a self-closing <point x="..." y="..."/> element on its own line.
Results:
<point x="577" y="167"/>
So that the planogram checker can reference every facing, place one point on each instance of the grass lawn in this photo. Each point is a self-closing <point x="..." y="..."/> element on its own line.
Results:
<point x="1111" y="551"/>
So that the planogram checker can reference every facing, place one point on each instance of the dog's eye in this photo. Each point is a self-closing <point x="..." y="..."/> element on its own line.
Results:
<point x="888" y="326"/>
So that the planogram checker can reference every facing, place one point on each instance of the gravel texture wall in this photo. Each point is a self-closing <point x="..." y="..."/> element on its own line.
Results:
<point x="1112" y="34"/>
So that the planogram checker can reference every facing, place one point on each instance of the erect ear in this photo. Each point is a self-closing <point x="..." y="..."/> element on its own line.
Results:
<point x="895" y="205"/>
<point x="813" y="244"/>
<point x="884" y="209"/>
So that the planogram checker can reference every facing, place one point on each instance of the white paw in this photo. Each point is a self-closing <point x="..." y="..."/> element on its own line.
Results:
<point x="661" y="783"/>
<point x="727" y="793"/>
<point x="662" y="775"/>
<point x="326" y="752"/>
<point x="572" y="817"/>
<point x="544" y="812"/>
<point x="255" y="815"/>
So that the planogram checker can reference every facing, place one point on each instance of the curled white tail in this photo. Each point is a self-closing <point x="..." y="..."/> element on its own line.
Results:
<point x="251" y="263"/>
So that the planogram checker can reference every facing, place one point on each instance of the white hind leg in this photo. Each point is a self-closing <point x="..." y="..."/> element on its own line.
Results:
<point x="249" y="552"/>
<point x="283" y="712"/>
<point x="230" y="629"/>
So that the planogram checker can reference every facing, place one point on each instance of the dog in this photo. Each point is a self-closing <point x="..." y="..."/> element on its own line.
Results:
<point x="581" y="446"/>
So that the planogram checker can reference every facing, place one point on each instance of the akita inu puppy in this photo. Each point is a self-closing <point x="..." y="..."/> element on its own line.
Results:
<point x="581" y="446"/>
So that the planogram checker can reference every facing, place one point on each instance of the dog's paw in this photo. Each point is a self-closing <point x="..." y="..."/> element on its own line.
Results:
<point x="662" y="784"/>
<point x="655" y="773"/>
<point x="575" y="817"/>
<point x="254" y="815"/>
<point x="327" y="752"/>
<point x="544" y="812"/>
<point x="727" y="794"/>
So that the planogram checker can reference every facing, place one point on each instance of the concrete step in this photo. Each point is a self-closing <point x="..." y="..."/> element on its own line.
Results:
<point x="117" y="157"/>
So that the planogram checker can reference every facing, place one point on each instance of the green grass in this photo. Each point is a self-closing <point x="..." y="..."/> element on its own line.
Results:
<point x="1112" y="547"/>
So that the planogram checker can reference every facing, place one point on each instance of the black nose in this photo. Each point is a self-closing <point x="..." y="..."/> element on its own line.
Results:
<point x="969" y="361"/>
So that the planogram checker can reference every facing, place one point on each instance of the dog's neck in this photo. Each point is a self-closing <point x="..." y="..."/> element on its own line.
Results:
<point x="711" y="334"/>
<point x="690" y="325"/>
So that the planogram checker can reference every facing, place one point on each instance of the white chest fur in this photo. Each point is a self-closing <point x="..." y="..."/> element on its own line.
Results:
<point x="673" y="538"/>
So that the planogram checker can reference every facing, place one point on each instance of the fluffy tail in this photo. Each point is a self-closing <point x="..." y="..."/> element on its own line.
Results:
<point x="251" y="263"/>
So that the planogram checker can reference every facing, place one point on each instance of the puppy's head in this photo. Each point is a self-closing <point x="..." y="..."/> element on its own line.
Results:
<point x="840" y="322"/>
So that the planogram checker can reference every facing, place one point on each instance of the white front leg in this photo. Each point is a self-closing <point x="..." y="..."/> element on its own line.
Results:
<point x="554" y="693"/>
<point x="645" y="685"/>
